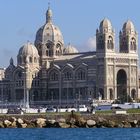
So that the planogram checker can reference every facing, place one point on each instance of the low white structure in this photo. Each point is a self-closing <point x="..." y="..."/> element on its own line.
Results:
<point x="121" y="112"/>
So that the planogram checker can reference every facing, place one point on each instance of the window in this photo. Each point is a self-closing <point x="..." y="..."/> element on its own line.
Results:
<point x="58" y="46"/>
<point x="80" y="74"/>
<point x="30" y="59"/>
<point x="19" y="74"/>
<point x="67" y="75"/>
<point x="57" y="53"/>
<point x="47" y="53"/>
<point x="48" y="46"/>
<point x="35" y="60"/>
<point x="100" y="42"/>
<point x="53" y="76"/>
<point x="133" y="44"/>
<point x="50" y="53"/>
<point x="110" y="43"/>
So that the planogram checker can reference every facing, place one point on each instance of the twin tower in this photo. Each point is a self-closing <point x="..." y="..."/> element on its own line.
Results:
<point x="105" y="38"/>
<point x="117" y="72"/>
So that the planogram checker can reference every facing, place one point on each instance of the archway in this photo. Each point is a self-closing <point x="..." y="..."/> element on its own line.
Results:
<point x="122" y="85"/>
<point x="133" y="94"/>
<point x="101" y="93"/>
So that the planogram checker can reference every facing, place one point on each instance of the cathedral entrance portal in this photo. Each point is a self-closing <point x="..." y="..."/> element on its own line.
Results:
<point x="122" y="85"/>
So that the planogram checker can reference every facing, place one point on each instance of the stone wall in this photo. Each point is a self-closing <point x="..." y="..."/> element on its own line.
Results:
<point x="69" y="121"/>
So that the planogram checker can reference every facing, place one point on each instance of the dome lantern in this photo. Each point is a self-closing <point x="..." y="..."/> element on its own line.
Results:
<point x="49" y="15"/>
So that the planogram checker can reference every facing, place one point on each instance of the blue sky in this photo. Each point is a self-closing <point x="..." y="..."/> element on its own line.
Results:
<point x="77" y="19"/>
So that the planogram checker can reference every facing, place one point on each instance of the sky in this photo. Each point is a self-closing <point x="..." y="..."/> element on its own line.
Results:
<point x="77" y="20"/>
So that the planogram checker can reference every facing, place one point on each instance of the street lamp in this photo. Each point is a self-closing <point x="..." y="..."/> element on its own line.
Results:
<point x="2" y="97"/>
<point x="52" y="96"/>
<point x="67" y="93"/>
<point x="79" y="96"/>
<point x="26" y="93"/>
<point x="33" y="99"/>
<point x="24" y="100"/>
<point x="6" y="103"/>
<point x="76" y="101"/>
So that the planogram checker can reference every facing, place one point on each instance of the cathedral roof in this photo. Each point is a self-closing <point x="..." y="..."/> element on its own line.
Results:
<point x="70" y="49"/>
<point x="28" y="49"/>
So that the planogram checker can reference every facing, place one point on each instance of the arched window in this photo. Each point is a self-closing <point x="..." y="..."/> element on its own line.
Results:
<point x="133" y="44"/>
<point x="100" y="42"/>
<point x="67" y="75"/>
<point x="54" y="75"/>
<point x="57" y="53"/>
<point x="58" y="49"/>
<point x="35" y="60"/>
<point x="110" y="43"/>
<point x="80" y="74"/>
<point x="101" y="93"/>
<point x="47" y="53"/>
<point x="30" y="59"/>
<point x="50" y="52"/>
<point x="49" y="49"/>
<point x="48" y="45"/>
<point x="19" y="74"/>
<point x="58" y="46"/>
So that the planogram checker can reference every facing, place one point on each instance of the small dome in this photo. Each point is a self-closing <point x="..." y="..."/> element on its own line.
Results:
<point x="128" y="26"/>
<point x="70" y="49"/>
<point x="28" y="50"/>
<point x="105" y="24"/>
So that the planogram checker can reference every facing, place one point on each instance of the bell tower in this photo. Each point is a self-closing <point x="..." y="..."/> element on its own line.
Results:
<point x="105" y="43"/>
<point x="128" y="38"/>
<point x="105" y="37"/>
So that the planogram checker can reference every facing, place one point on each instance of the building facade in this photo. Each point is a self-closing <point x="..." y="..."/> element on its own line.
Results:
<point x="49" y="72"/>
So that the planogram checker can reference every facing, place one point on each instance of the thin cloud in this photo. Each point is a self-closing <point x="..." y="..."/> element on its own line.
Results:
<point x="24" y="33"/>
<point x="88" y="45"/>
<point x="91" y="43"/>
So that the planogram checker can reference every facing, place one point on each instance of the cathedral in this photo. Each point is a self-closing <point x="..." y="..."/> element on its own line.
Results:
<point x="49" y="72"/>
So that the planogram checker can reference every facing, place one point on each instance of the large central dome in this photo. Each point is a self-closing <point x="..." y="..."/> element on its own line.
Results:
<point x="48" y="32"/>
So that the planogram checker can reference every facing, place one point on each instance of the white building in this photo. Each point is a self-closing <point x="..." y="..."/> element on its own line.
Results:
<point x="52" y="73"/>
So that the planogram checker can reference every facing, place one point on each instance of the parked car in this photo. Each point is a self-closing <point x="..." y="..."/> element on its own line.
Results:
<point x="50" y="109"/>
<point x="14" y="111"/>
<point x="82" y="108"/>
<point x="117" y="107"/>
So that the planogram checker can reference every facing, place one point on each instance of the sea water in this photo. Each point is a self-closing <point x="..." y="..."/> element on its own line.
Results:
<point x="71" y="134"/>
